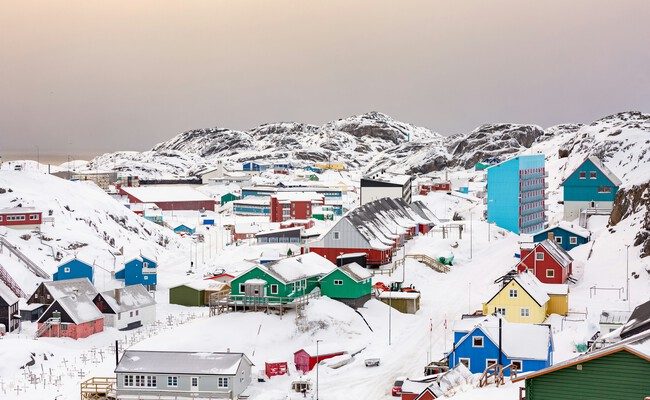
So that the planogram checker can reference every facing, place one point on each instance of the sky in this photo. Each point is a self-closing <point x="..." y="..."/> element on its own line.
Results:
<point x="89" y="76"/>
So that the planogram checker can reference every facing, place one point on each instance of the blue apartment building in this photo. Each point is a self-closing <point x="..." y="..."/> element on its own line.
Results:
<point x="516" y="194"/>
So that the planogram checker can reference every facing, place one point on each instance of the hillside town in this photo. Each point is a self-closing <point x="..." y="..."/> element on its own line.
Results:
<point x="284" y="279"/>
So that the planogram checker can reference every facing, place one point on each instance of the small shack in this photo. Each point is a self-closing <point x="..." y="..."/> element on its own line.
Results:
<point x="307" y="358"/>
<point x="404" y="302"/>
<point x="275" y="368"/>
<point x="184" y="229"/>
<point x="197" y="293"/>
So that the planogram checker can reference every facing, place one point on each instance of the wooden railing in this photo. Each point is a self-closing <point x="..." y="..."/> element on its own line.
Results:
<point x="98" y="388"/>
<point x="430" y="262"/>
<point x="36" y="270"/>
<point x="11" y="284"/>
<point x="496" y="371"/>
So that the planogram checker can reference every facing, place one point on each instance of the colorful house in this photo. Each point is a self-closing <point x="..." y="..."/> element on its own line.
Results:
<point x="516" y="194"/>
<point x="482" y="342"/>
<point x="404" y="302"/>
<point x="255" y="166"/>
<point x="591" y="186"/>
<point x="618" y="371"/>
<point x="126" y="308"/>
<point x="21" y="217"/>
<point x="47" y="292"/>
<point x="566" y="235"/>
<point x="184" y="229"/>
<point x="307" y="358"/>
<point x="350" y="284"/>
<point x="197" y="293"/>
<point x="227" y="198"/>
<point x="74" y="316"/>
<point x="74" y="269"/>
<point x="525" y="299"/>
<point x="549" y="262"/>
<point x="139" y="271"/>
<point x="281" y="281"/>
<point x="9" y="313"/>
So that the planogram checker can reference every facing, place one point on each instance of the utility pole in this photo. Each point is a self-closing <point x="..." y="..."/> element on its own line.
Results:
<point x="390" y="322"/>
<point x="471" y="236"/>
<point x="317" y="363"/>
<point x="627" y="273"/>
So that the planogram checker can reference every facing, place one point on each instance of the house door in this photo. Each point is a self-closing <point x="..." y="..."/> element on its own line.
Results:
<point x="592" y="204"/>
<point x="194" y="385"/>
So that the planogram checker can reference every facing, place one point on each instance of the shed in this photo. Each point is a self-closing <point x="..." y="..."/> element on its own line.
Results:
<point x="184" y="229"/>
<point x="307" y="358"/>
<point x="227" y="198"/>
<point x="611" y="320"/>
<point x="275" y="368"/>
<point x="196" y="293"/>
<point x="404" y="302"/>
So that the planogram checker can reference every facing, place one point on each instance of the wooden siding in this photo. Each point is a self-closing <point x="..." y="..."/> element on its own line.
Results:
<point x="186" y="296"/>
<point x="350" y="289"/>
<point x="621" y="376"/>
<point x="558" y="304"/>
<point x="513" y="306"/>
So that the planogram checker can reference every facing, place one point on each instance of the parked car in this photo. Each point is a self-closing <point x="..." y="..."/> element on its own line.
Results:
<point x="397" y="386"/>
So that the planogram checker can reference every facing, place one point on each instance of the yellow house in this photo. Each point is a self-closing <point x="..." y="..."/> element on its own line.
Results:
<point x="335" y="166"/>
<point x="526" y="300"/>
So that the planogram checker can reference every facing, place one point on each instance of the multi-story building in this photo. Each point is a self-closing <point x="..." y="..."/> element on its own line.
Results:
<point x="378" y="185"/>
<point x="516" y="194"/>
<point x="286" y="206"/>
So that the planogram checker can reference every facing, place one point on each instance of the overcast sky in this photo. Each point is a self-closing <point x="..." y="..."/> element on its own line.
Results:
<point x="95" y="75"/>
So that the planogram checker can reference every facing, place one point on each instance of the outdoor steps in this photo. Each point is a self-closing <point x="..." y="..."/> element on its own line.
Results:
<point x="44" y="328"/>
<point x="11" y="284"/>
<point x="35" y="269"/>
<point x="430" y="262"/>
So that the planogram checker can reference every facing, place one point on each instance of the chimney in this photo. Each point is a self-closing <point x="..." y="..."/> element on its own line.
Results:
<point x="551" y="236"/>
<point x="117" y="294"/>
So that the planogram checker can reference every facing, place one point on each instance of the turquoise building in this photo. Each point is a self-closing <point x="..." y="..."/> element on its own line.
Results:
<point x="591" y="186"/>
<point x="516" y="192"/>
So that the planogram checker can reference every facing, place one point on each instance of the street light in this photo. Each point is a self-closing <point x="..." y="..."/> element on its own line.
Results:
<point x="317" y="362"/>
<point x="627" y="273"/>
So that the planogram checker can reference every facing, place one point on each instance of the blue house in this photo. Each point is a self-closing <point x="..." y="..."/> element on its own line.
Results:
<point x="564" y="234"/>
<point x="251" y="166"/>
<point x="590" y="186"/>
<point x="313" y="169"/>
<point x="527" y="347"/>
<point x="140" y="270"/>
<point x="182" y="228"/>
<point x="73" y="269"/>
<point x="516" y="194"/>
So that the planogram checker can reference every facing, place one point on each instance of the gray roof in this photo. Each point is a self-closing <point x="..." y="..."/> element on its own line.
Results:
<point x="69" y="287"/>
<point x="557" y="252"/>
<point x="80" y="308"/>
<point x="173" y="362"/>
<point x="131" y="298"/>
<point x="614" y="317"/>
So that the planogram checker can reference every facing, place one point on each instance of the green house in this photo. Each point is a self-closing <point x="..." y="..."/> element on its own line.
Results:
<point x="621" y="372"/>
<point x="350" y="284"/>
<point x="281" y="281"/>
<point x="227" y="198"/>
<point x="197" y="293"/>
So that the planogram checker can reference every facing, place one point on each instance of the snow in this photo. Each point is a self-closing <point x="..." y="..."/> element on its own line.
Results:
<point x="152" y="194"/>
<point x="534" y="347"/>
<point x="357" y="272"/>
<point x="164" y="362"/>
<point x="131" y="298"/>
<point x="399" y="295"/>
<point x="533" y="286"/>
<point x="303" y="266"/>
<point x="7" y="295"/>
<point x="205" y="284"/>
<point x="80" y="308"/>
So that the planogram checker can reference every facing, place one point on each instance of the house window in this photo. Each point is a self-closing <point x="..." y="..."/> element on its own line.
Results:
<point x="477" y="341"/>
<point x="465" y="361"/>
<point x="517" y="365"/>
<point x="558" y="239"/>
<point x="33" y="217"/>
<point x="500" y="311"/>
<point x="490" y="362"/>
<point x="172" y="381"/>
<point x="139" y="380"/>
<point x="146" y="277"/>
<point x="274" y="289"/>
<point x="550" y="273"/>
<point x="338" y="282"/>
<point x="583" y="175"/>
<point x="137" y="312"/>
<point x="513" y="293"/>
<point x="66" y="270"/>
<point x="145" y="264"/>
<point x="119" y="316"/>
<point x="573" y="240"/>
<point x="242" y="288"/>
<point x="604" y="189"/>
<point x="592" y="174"/>
<point x="524" y="312"/>
<point x="151" y="381"/>
<point x="128" y="380"/>
<point x="130" y="313"/>
<point x="539" y="256"/>
<point x="337" y="235"/>
<point x="222" y="382"/>
<point x="0" y="218"/>
<point x="195" y="382"/>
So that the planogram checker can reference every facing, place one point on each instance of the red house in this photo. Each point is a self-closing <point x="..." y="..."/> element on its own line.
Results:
<point x="74" y="316"/>
<point x="21" y="217"/>
<point x="306" y="360"/>
<point x="275" y="368"/>
<point x="425" y="188"/>
<point x="293" y="205"/>
<point x="549" y="262"/>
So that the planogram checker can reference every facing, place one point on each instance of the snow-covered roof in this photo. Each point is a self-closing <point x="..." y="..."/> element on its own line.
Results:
<point x="206" y="284"/>
<point x="569" y="227"/>
<point x="81" y="286"/>
<point x="640" y="317"/>
<point x="619" y="317"/>
<point x="518" y="341"/>
<point x="153" y="194"/>
<point x="131" y="298"/>
<point x="558" y="253"/>
<point x="253" y="200"/>
<point x="281" y="230"/>
<point x="17" y="210"/>
<point x="555" y="288"/>
<point x="80" y="308"/>
<point x="255" y="281"/>
<point x="396" y="179"/>
<point x="603" y="168"/>
<point x="533" y="287"/>
<point x="298" y="196"/>
<point x="6" y="293"/>
<point x="171" y="362"/>
<point x="300" y="267"/>
<point x="356" y="272"/>
<point x="399" y="295"/>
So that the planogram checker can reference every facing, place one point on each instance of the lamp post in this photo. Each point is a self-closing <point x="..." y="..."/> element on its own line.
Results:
<point x="627" y="274"/>
<point x="390" y="322"/>
<point x="317" y="362"/>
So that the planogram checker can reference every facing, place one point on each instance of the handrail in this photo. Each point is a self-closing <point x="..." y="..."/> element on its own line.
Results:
<point x="35" y="269"/>
<point x="430" y="262"/>
<point x="11" y="284"/>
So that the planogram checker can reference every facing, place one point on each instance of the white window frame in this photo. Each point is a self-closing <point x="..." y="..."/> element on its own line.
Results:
<point x="127" y="381"/>
<point x="66" y="270"/>
<point x="223" y="382"/>
<point x="513" y="293"/>
<point x="193" y="380"/>
<point x="524" y="312"/>
<point x="33" y="217"/>
<point x="500" y="311"/>
<point x="338" y="282"/>
<point x="465" y="361"/>
<point x="552" y="273"/>
<point x="242" y="288"/>
<point x="273" y="288"/>
<point x="558" y="239"/>
<point x="521" y="365"/>
<point x="573" y="240"/>
<point x="539" y="256"/>
<point x="580" y="175"/>
<point x="488" y="364"/>
<point x="593" y="175"/>
<point x="336" y="235"/>
<point x="172" y="381"/>
<point x="482" y="340"/>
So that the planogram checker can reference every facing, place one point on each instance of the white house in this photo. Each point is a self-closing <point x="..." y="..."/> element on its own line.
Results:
<point x="127" y="308"/>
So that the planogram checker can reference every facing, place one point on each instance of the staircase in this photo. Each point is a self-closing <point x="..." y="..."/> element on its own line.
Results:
<point x="430" y="262"/>
<point x="46" y="326"/>
<point x="11" y="284"/>
<point x="35" y="269"/>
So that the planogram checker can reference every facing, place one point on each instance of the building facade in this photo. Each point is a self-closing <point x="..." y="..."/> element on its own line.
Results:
<point x="9" y="313"/>
<point x="21" y="218"/>
<point x="139" y="271"/>
<point x="549" y="262"/>
<point x="126" y="308"/>
<point x="74" y="269"/>
<point x="380" y="185"/>
<point x="565" y="235"/>
<point x="516" y="194"/>
<point x="350" y="284"/>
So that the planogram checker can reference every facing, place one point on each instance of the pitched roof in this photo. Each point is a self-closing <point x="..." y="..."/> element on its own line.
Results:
<point x="80" y="308"/>
<point x="614" y="317"/>
<point x="172" y="362"/>
<point x="639" y="345"/>
<point x="608" y="173"/>
<point x="131" y="298"/>
<point x="557" y="252"/>
<point x="569" y="227"/>
<point x="356" y="272"/>
<point x="302" y="266"/>
<point x="161" y="193"/>
<point x="640" y="319"/>
<point x="6" y="293"/>
<point x="82" y="286"/>
<point x="531" y="285"/>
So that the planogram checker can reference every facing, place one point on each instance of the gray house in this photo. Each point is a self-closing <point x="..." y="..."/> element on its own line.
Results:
<point x="180" y="375"/>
